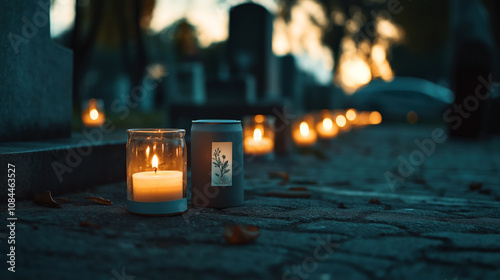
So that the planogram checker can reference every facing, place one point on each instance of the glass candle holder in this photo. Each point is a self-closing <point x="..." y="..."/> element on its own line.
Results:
<point x="351" y="116"/>
<point x="341" y="121"/>
<point x="303" y="132"/>
<point x="156" y="171"/>
<point x="258" y="135"/>
<point x="93" y="113"/>
<point x="217" y="163"/>
<point x="326" y="126"/>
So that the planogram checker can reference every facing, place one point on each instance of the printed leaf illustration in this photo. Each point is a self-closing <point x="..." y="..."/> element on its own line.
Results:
<point x="222" y="165"/>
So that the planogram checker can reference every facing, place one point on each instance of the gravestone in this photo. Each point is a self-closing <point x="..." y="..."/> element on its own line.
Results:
<point x="237" y="90"/>
<point x="35" y="75"/>
<point x="250" y="48"/>
<point x="292" y="81"/>
<point x="191" y="84"/>
<point x="472" y="64"/>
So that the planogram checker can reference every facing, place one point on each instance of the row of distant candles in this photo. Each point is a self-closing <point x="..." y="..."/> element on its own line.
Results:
<point x="258" y="131"/>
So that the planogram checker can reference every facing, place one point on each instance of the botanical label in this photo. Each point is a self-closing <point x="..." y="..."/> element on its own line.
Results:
<point x="222" y="163"/>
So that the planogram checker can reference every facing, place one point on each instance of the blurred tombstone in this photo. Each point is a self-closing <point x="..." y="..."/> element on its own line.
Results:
<point x="317" y="97"/>
<point x="472" y="67"/>
<point x="35" y="74"/>
<point x="235" y="90"/>
<point x="190" y="84"/>
<point x="250" y="48"/>
<point x="292" y="81"/>
<point x="494" y="110"/>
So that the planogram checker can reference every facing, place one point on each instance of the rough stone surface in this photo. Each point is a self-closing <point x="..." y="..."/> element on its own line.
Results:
<point x="93" y="157"/>
<point x="431" y="226"/>
<point x="35" y="75"/>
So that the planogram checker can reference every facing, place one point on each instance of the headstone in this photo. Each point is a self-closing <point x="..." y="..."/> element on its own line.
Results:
<point x="237" y="90"/>
<point x="35" y="75"/>
<point x="292" y="81"/>
<point x="317" y="97"/>
<point x="250" y="48"/>
<point x="472" y="68"/>
<point x="190" y="84"/>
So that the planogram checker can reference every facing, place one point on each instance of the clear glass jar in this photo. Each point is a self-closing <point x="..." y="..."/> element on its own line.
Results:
<point x="156" y="171"/>
<point x="258" y="135"/>
<point x="304" y="131"/>
<point x="326" y="126"/>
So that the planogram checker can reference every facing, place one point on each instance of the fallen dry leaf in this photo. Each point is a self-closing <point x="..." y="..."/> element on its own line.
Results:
<point x="89" y="224"/>
<point x="475" y="186"/>
<point x="241" y="234"/>
<point x="279" y="175"/>
<point x="289" y="194"/>
<point x="100" y="200"/>
<point x="374" y="201"/>
<point x="45" y="199"/>
<point x="298" y="189"/>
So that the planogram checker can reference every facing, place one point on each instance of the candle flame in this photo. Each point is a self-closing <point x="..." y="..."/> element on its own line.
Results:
<point x="94" y="114"/>
<point x="340" y="120"/>
<point x="351" y="114"/>
<point x="147" y="151"/>
<point x="327" y="123"/>
<point x="375" y="117"/>
<point x="259" y="118"/>
<point x="304" y="129"/>
<point x="155" y="163"/>
<point x="257" y="134"/>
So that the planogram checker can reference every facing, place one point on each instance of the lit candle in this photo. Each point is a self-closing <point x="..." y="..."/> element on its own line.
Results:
<point x="303" y="136"/>
<point x="156" y="185"/>
<point x="327" y="129"/>
<point x="91" y="116"/>
<point x="342" y="123"/>
<point x="258" y="144"/>
<point x="351" y="115"/>
<point x="375" y="117"/>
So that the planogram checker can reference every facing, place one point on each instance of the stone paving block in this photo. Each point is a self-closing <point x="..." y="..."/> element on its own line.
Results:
<point x="399" y="248"/>
<point x="422" y="270"/>
<point x="371" y="265"/>
<point x="470" y="240"/>
<point x="352" y="229"/>
<point x="482" y="258"/>
<point x="338" y="271"/>
<point x="418" y="224"/>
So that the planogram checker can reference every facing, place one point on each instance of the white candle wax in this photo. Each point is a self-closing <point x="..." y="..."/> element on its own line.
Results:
<point x="258" y="147"/>
<point x="303" y="136"/>
<point x="157" y="186"/>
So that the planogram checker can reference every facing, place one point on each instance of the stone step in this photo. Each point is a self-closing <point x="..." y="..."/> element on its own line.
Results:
<point x="89" y="158"/>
